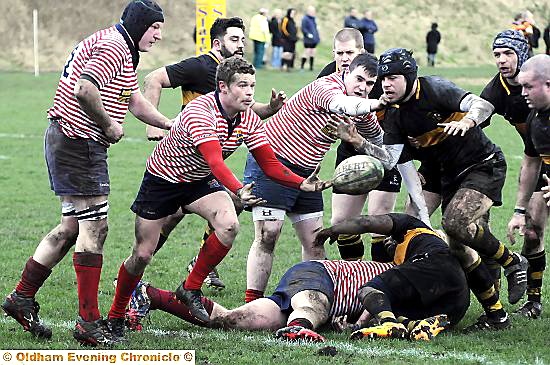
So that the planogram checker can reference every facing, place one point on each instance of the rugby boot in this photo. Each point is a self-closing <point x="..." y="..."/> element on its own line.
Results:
<point x="140" y="305"/>
<point x="116" y="329"/>
<point x="530" y="309"/>
<point x="485" y="323"/>
<point x="212" y="280"/>
<point x="25" y="311"/>
<point x="428" y="328"/>
<point x="296" y="333"/>
<point x="517" y="279"/>
<point x="384" y="330"/>
<point x="192" y="299"/>
<point x="93" y="333"/>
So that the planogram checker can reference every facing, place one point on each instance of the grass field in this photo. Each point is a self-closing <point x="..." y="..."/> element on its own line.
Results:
<point x="29" y="210"/>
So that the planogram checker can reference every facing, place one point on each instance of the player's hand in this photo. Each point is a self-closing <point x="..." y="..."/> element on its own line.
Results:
<point x="455" y="127"/>
<point x="247" y="198"/>
<point x="346" y="130"/>
<point x="154" y="133"/>
<point x="340" y="324"/>
<point x="546" y="189"/>
<point x="114" y="132"/>
<point x="277" y="100"/>
<point x="313" y="183"/>
<point x="380" y="104"/>
<point x="323" y="235"/>
<point x="517" y="223"/>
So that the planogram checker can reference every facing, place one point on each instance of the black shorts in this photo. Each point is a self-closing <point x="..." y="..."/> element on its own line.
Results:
<point x="310" y="45"/>
<point x="391" y="181"/>
<point x="432" y="177"/>
<point x="308" y="275"/>
<point x="426" y="285"/>
<point x="75" y="166"/>
<point x="158" y="198"/>
<point x="540" y="182"/>
<point x="289" y="46"/>
<point x="487" y="177"/>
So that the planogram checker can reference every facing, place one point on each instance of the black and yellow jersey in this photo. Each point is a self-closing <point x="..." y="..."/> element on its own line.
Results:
<point x="435" y="101"/>
<point x="507" y="101"/>
<point x="413" y="238"/>
<point x="537" y="140"/>
<point x="196" y="76"/>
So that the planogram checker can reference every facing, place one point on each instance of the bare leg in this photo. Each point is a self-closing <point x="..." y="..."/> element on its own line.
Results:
<point x="260" y="314"/>
<point x="260" y="256"/>
<point x="311" y="305"/>
<point x="306" y="231"/>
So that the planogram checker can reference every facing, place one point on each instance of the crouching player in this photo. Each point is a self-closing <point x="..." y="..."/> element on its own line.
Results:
<point x="427" y="280"/>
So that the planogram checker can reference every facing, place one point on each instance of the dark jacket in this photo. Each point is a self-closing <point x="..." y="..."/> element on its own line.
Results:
<point x="432" y="39"/>
<point x="288" y="28"/>
<point x="368" y="28"/>
<point x="546" y="37"/>
<point x="352" y="22"/>
<point x="276" y="35"/>
<point x="309" y="29"/>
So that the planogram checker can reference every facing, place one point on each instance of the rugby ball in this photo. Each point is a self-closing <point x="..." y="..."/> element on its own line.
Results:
<point x="358" y="175"/>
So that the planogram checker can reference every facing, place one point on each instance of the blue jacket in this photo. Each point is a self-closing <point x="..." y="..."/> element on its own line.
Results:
<point x="368" y="28"/>
<point x="309" y="28"/>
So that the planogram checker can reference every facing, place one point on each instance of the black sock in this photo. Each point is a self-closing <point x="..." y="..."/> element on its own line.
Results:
<point x="303" y="63"/>
<point x="311" y="63"/>
<point x="537" y="264"/>
<point x="351" y="247"/>
<point x="480" y="282"/>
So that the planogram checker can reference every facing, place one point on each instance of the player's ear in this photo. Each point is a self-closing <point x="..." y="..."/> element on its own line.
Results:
<point x="222" y="87"/>
<point x="217" y="44"/>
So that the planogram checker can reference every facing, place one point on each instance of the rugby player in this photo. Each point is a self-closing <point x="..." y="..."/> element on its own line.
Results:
<point x="98" y="86"/>
<point x="301" y="133"/>
<point x="348" y="43"/>
<point x="443" y="119"/>
<point x="427" y="281"/>
<point x="186" y="171"/>
<point x="197" y="76"/>
<point x="534" y="79"/>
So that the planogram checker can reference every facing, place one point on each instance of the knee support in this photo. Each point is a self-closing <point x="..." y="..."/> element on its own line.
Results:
<point x="93" y="213"/>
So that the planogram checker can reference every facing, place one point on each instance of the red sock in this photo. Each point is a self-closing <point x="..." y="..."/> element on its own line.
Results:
<point x="87" y="266"/>
<point x="125" y="285"/>
<point x="165" y="301"/>
<point x="252" y="294"/>
<point x="210" y="255"/>
<point x="33" y="276"/>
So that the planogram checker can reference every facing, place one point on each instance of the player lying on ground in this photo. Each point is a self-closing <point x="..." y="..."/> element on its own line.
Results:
<point x="314" y="293"/>
<point x="427" y="280"/>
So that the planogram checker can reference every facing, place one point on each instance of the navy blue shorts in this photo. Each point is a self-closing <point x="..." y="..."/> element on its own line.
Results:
<point x="158" y="198"/>
<point x="308" y="275"/>
<point x="392" y="178"/>
<point x="280" y="196"/>
<point x="75" y="166"/>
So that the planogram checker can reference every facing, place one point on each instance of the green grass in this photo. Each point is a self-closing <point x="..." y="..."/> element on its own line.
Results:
<point x="29" y="210"/>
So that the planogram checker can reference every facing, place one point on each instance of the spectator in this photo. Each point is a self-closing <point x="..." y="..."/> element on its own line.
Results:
<point x="259" y="33"/>
<point x="352" y="21"/>
<point x="524" y="23"/>
<point x="432" y="40"/>
<point x="311" y="36"/>
<point x="368" y="28"/>
<point x="276" y="38"/>
<point x="290" y="37"/>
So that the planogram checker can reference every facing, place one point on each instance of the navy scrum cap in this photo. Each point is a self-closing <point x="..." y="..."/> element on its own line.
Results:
<point x="398" y="61"/>
<point x="514" y="40"/>
<point x="138" y="16"/>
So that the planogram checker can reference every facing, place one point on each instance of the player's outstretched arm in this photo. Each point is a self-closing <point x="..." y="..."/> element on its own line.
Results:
<point x="154" y="82"/>
<point x="380" y="224"/>
<point x="478" y="110"/>
<point x="276" y="102"/>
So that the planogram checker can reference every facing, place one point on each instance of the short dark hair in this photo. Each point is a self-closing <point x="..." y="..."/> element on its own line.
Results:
<point x="366" y="60"/>
<point x="219" y="28"/>
<point x="230" y="66"/>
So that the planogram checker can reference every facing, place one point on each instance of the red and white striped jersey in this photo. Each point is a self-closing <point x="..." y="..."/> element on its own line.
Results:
<point x="105" y="57"/>
<point x="176" y="157"/>
<point x="300" y="131"/>
<point x="348" y="277"/>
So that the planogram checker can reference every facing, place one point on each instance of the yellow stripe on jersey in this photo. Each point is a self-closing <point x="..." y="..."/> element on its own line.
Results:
<point x="545" y="159"/>
<point x="436" y="136"/>
<point x="401" y="249"/>
<point x="188" y="96"/>
<point x="504" y="85"/>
